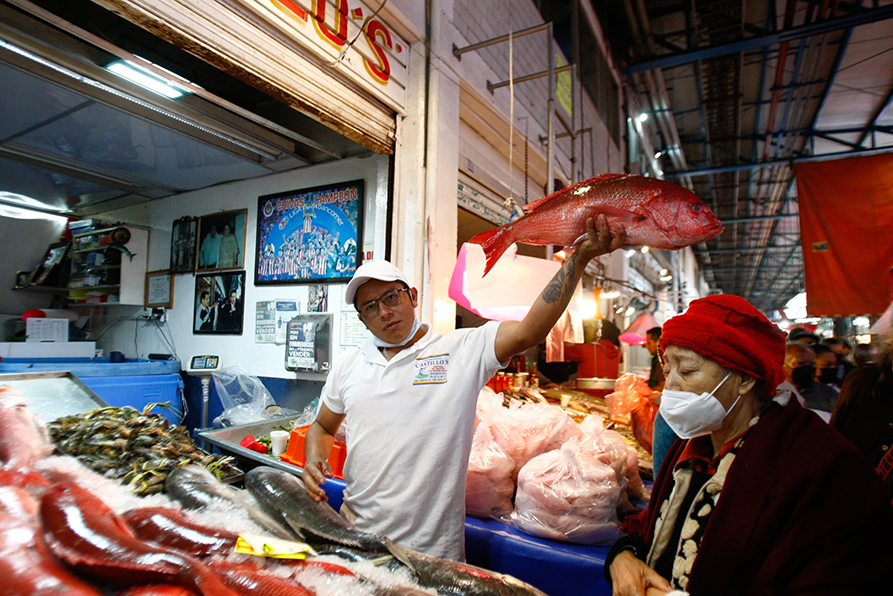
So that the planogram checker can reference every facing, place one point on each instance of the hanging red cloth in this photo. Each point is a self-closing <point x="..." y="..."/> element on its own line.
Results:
<point x="846" y="218"/>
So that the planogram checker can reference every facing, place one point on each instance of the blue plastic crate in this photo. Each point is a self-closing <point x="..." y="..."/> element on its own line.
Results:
<point x="138" y="391"/>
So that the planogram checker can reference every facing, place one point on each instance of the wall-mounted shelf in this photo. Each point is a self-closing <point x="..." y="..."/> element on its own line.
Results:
<point x="102" y="274"/>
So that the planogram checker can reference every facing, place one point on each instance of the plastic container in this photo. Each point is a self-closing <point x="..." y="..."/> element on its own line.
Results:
<point x="295" y="453"/>
<point x="138" y="391"/>
<point x="595" y="386"/>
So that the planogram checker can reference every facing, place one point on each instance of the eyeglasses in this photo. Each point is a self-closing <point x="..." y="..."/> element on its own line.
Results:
<point x="390" y="298"/>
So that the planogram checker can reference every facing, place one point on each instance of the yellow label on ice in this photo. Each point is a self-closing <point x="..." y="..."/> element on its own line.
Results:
<point x="266" y="546"/>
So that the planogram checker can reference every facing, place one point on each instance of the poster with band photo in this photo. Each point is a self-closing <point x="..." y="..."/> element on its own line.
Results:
<point x="309" y="235"/>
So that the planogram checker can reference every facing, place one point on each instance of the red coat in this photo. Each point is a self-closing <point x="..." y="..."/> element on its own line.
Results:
<point x="801" y="512"/>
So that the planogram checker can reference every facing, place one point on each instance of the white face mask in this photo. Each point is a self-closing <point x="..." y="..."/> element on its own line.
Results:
<point x="380" y="343"/>
<point x="691" y="415"/>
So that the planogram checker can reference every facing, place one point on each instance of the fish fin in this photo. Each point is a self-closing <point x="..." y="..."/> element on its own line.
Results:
<point x="400" y="554"/>
<point x="530" y="207"/>
<point x="608" y="177"/>
<point x="494" y="242"/>
<point x="382" y="560"/>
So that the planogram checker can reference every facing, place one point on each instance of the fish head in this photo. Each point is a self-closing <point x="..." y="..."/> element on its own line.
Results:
<point x="683" y="218"/>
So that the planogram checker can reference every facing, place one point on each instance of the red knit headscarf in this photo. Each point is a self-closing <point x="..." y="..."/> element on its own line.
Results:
<point x="730" y="331"/>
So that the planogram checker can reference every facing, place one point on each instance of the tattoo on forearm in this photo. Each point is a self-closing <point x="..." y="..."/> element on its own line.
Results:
<point x="559" y="288"/>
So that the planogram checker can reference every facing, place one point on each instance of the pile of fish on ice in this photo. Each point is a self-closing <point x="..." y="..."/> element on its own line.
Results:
<point x="533" y="467"/>
<point x="64" y="529"/>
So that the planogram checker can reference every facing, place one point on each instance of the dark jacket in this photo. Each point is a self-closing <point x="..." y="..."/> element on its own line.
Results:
<point x="801" y="512"/>
<point x="864" y="411"/>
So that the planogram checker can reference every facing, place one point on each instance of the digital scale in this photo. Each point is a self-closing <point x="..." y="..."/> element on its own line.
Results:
<point x="204" y="365"/>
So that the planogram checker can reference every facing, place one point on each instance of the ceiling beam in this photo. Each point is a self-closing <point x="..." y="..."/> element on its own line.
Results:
<point x="744" y="220"/>
<point x="854" y="20"/>
<point x="779" y="162"/>
<point x="745" y="249"/>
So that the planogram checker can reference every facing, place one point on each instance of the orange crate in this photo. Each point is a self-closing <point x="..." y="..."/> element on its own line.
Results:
<point x="294" y="454"/>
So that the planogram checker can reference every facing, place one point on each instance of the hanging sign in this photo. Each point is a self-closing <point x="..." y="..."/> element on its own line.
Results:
<point x="344" y="34"/>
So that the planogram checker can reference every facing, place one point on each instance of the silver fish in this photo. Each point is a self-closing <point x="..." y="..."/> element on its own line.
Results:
<point x="282" y="496"/>
<point x="461" y="579"/>
<point x="195" y="488"/>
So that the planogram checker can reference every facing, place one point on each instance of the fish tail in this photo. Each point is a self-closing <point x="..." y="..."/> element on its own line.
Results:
<point x="494" y="242"/>
<point x="399" y="553"/>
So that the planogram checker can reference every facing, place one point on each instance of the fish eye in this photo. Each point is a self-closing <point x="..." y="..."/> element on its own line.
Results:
<point x="696" y="208"/>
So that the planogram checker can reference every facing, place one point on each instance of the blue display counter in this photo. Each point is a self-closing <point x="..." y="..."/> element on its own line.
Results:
<point x="135" y="383"/>
<point x="556" y="568"/>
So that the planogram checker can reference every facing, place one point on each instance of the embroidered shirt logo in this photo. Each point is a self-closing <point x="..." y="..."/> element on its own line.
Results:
<point x="431" y="370"/>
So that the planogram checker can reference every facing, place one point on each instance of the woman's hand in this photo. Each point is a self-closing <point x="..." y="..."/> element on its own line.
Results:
<point x="632" y="577"/>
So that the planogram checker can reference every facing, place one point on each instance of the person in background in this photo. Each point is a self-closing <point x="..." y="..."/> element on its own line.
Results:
<point x="864" y="412"/>
<point x="652" y="342"/>
<point x="205" y="312"/>
<point x="229" y="248"/>
<point x="207" y="255"/>
<point x="760" y="496"/>
<point x="662" y="436"/>
<point x="843" y="353"/>
<point x="804" y="335"/>
<point x="229" y="315"/>
<point x="827" y="368"/>
<point x="865" y="354"/>
<point x="800" y="370"/>
<point x="409" y="397"/>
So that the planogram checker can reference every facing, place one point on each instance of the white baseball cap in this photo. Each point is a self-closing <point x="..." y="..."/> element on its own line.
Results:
<point x="380" y="270"/>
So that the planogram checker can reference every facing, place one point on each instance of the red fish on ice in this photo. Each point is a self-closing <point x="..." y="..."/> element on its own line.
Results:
<point x="655" y="213"/>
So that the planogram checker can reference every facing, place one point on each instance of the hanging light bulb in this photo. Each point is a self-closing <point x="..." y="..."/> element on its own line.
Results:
<point x="610" y="293"/>
<point x="597" y="294"/>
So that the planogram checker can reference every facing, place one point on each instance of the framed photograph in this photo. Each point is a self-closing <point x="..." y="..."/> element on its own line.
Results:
<point x="159" y="289"/>
<point x="183" y="235"/>
<point x="50" y="272"/>
<point x="219" y="303"/>
<point x="221" y="240"/>
<point x="310" y="235"/>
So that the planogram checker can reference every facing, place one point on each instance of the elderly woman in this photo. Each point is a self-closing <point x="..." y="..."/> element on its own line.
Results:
<point x="759" y="496"/>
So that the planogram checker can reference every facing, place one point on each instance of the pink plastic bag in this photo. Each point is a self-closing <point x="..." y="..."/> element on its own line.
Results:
<point x="611" y="448"/>
<point x="489" y="484"/>
<point x="630" y="391"/>
<point x="568" y="495"/>
<point x="527" y="430"/>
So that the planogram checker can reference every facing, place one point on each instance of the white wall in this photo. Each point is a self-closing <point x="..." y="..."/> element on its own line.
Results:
<point x="260" y="359"/>
<point x="25" y="242"/>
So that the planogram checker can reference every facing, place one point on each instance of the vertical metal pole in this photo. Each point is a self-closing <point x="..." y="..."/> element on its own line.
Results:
<point x="550" y="185"/>
<point x="575" y="177"/>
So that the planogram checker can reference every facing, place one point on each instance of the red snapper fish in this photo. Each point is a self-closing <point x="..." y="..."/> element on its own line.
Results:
<point x="23" y="440"/>
<point x="84" y="532"/>
<point x="656" y="213"/>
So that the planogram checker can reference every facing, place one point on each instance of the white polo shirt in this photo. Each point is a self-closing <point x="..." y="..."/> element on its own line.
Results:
<point x="410" y="423"/>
